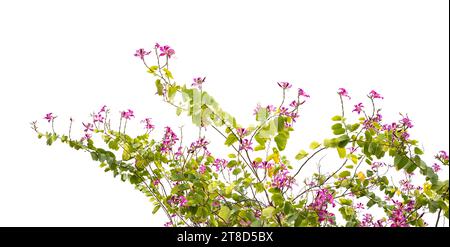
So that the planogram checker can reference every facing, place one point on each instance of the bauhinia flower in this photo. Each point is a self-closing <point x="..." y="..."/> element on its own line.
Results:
<point x="343" y="93"/>
<point x="88" y="127"/>
<point x="284" y="85"/>
<point x="202" y="169"/>
<point x="245" y="145"/>
<point x="141" y="53"/>
<point x="406" y="121"/>
<point x="169" y="140"/>
<point x="166" y="51"/>
<point x="436" y="167"/>
<point x="374" y="95"/>
<point x="49" y="117"/>
<point x="282" y="179"/>
<point x="98" y="118"/>
<point x="358" y="108"/>
<point x="241" y="132"/>
<point x="127" y="114"/>
<point x="198" y="82"/>
<point x="148" y="124"/>
<point x="302" y="93"/>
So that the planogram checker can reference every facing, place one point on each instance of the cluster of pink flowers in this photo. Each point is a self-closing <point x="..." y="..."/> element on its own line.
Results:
<point x="99" y="116"/>
<point x="169" y="140"/>
<point x="320" y="205"/>
<point x="262" y="164"/>
<point x="399" y="213"/>
<point x="220" y="164"/>
<point x="281" y="179"/>
<point x="368" y="221"/>
<point x="442" y="156"/>
<point x="376" y="165"/>
<point x="127" y="114"/>
<point x="201" y="143"/>
<point x="177" y="200"/>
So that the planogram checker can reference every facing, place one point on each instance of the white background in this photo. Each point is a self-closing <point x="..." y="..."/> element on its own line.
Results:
<point x="71" y="57"/>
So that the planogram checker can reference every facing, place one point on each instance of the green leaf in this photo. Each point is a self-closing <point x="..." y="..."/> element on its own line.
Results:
<point x="342" y="152"/>
<point x="281" y="140"/>
<point x="159" y="87"/>
<point x="237" y="171"/>
<point x="314" y="145"/>
<point x="224" y="213"/>
<point x="336" y="118"/>
<point x="400" y="161"/>
<point x="336" y="126"/>
<point x="172" y="91"/>
<point x="278" y="199"/>
<point x="230" y="139"/>
<point x="418" y="151"/>
<point x="302" y="154"/>
<point x="344" y="174"/>
<point x="268" y="212"/>
<point x="339" y="131"/>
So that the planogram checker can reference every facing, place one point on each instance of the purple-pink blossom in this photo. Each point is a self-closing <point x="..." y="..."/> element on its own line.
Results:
<point x="202" y="169"/>
<point x="302" y="93"/>
<point x="169" y="140"/>
<point x="358" y="108"/>
<point x="220" y="164"/>
<point x="405" y="121"/>
<point x="198" y="82"/>
<point x="148" y="124"/>
<point x="245" y="145"/>
<point x="374" y="95"/>
<point x="166" y="51"/>
<point x="141" y="53"/>
<point x="343" y="93"/>
<point x="49" y="117"/>
<point x="320" y="205"/>
<point x="436" y="167"/>
<point x="241" y="132"/>
<point x="127" y="114"/>
<point x="98" y="118"/>
<point x="284" y="85"/>
<point x="281" y="179"/>
<point x="88" y="127"/>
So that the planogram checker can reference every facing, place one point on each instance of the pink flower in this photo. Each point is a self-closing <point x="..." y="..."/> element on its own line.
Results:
<point x="49" y="117"/>
<point x="141" y="53"/>
<point x="359" y="206"/>
<point x="343" y="93"/>
<point x="320" y="205"/>
<point x="168" y="224"/>
<point x="374" y="95"/>
<point x="202" y="169"/>
<point x="443" y="156"/>
<point x="271" y="108"/>
<point x="294" y="104"/>
<point x="358" y="108"/>
<point x="406" y="121"/>
<point x="198" y="82"/>
<point x="182" y="201"/>
<point x="86" y="136"/>
<point x="98" y="118"/>
<point x="245" y="145"/>
<point x="215" y="203"/>
<point x="127" y="114"/>
<point x="148" y="124"/>
<point x="166" y="51"/>
<point x="284" y="85"/>
<point x="103" y="109"/>
<point x="220" y="164"/>
<point x="241" y="132"/>
<point x="88" y="127"/>
<point x="436" y="167"/>
<point x="301" y="93"/>
<point x="156" y="182"/>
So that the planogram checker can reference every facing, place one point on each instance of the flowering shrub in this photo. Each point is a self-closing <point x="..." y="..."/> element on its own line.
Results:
<point x="255" y="184"/>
